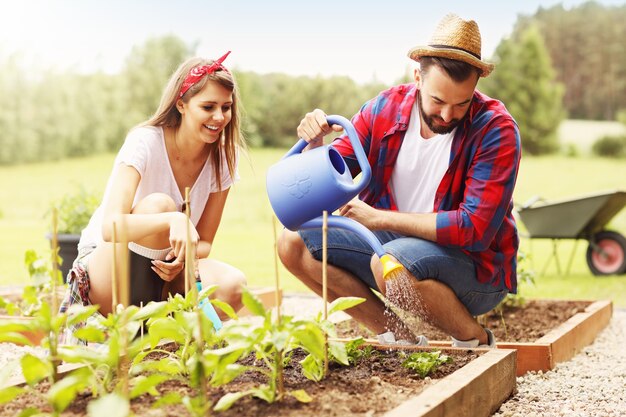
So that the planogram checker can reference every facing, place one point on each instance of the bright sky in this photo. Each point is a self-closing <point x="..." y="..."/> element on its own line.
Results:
<point x="362" y="39"/>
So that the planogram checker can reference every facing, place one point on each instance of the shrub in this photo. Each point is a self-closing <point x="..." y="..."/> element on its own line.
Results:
<point x="611" y="146"/>
<point x="74" y="211"/>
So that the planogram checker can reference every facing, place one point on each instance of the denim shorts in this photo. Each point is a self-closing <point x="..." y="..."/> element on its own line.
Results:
<point x="422" y="258"/>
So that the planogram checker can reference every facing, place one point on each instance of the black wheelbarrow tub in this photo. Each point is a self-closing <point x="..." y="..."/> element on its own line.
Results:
<point x="573" y="218"/>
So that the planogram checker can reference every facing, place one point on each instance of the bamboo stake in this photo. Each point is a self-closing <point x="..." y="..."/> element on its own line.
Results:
<point x="114" y="270"/>
<point x="277" y="297"/>
<point x="55" y="265"/>
<point x="325" y="282"/>
<point x="52" y="339"/>
<point x="125" y="278"/>
<point x="188" y="260"/>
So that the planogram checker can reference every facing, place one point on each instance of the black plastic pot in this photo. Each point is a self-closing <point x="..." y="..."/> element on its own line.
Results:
<point x="68" y="251"/>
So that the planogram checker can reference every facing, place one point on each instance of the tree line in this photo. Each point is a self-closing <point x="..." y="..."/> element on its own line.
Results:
<point x="587" y="48"/>
<point x="556" y="63"/>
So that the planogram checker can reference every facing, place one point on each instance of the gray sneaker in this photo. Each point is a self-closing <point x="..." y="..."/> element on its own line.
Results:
<point x="388" y="338"/>
<point x="474" y="343"/>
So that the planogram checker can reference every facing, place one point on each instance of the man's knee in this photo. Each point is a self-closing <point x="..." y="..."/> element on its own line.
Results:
<point x="291" y="249"/>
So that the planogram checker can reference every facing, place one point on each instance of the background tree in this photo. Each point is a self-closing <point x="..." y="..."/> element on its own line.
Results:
<point x="147" y="70"/>
<point x="526" y="82"/>
<point x="586" y="45"/>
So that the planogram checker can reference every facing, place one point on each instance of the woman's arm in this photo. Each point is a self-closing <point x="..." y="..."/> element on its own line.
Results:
<point x="138" y="226"/>
<point x="210" y="221"/>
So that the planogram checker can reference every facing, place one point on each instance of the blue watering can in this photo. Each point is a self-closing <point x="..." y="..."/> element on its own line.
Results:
<point x="301" y="186"/>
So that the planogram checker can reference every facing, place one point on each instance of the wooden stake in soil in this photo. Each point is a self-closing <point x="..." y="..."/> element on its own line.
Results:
<point x="114" y="271"/>
<point x="325" y="281"/>
<point x="277" y="297"/>
<point x="125" y="278"/>
<point x="55" y="265"/>
<point x="187" y="246"/>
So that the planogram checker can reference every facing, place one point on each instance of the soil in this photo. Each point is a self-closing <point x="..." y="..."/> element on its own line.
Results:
<point x="525" y="323"/>
<point x="374" y="386"/>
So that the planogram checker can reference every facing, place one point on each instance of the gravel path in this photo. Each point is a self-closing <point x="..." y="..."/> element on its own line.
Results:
<point x="593" y="383"/>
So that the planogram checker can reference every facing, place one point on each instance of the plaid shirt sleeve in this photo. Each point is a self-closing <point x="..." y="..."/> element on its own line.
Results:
<point x="486" y="194"/>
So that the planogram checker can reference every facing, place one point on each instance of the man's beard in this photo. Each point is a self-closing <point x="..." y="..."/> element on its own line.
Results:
<point x="430" y="120"/>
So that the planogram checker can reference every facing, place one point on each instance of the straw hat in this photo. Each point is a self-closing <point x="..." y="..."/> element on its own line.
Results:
<point x="455" y="38"/>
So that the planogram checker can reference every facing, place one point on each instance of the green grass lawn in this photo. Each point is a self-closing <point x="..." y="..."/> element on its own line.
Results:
<point x="245" y="238"/>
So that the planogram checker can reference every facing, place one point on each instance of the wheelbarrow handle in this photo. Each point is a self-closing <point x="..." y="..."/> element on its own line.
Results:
<point x="530" y="202"/>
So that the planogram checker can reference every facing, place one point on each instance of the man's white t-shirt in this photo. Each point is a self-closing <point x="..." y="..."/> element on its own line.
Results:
<point x="420" y="167"/>
<point x="144" y="149"/>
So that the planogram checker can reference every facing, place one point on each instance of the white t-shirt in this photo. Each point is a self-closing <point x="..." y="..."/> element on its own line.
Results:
<point x="144" y="149"/>
<point x="420" y="167"/>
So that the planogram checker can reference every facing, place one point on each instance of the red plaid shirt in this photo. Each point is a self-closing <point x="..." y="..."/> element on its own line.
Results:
<point x="474" y="200"/>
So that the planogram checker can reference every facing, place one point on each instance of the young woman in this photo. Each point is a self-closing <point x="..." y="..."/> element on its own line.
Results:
<point x="192" y="141"/>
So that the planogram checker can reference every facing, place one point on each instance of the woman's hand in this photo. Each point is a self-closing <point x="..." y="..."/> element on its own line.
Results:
<point x="168" y="270"/>
<point x="178" y="237"/>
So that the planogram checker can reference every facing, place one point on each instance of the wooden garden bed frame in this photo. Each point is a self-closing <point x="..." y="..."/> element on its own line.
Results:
<point x="560" y="344"/>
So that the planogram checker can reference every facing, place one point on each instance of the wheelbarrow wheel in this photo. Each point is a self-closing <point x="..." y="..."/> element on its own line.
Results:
<point x="606" y="254"/>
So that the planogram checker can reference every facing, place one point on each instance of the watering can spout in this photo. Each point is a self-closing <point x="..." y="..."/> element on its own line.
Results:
<point x="389" y="266"/>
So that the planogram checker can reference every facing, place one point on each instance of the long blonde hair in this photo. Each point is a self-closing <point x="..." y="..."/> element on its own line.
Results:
<point x="167" y="115"/>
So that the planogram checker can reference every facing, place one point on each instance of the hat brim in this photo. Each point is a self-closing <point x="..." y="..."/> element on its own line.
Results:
<point x="450" y="53"/>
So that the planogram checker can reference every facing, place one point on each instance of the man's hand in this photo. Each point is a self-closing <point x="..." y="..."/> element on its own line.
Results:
<point x="314" y="127"/>
<point x="363" y="213"/>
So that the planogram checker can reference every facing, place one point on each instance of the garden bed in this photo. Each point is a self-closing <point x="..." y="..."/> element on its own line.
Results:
<point x="544" y="332"/>
<point x="475" y="382"/>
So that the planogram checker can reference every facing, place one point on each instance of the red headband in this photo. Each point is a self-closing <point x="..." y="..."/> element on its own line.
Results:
<point x="196" y="73"/>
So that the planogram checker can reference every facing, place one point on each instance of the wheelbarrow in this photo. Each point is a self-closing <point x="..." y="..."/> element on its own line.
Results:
<point x="580" y="218"/>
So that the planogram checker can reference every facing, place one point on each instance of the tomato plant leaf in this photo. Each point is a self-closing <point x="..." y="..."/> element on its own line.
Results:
<point x="34" y="369"/>
<point x="228" y="400"/>
<point x="313" y="368"/>
<point x="252" y="303"/>
<point x="110" y="405"/>
<point x="301" y="396"/>
<point x="146" y="385"/>
<point x="9" y="393"/>
<point x="344" y="303"/>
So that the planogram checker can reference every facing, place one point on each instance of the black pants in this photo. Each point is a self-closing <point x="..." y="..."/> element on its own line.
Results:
<point x="145" y="284"/>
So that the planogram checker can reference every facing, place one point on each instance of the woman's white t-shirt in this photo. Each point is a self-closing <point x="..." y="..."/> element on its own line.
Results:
<point x="144" y="149"/>
<point x="420" y="167"/>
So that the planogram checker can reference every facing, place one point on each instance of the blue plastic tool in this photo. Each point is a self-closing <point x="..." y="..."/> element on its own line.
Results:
<point x="209" y="310"/>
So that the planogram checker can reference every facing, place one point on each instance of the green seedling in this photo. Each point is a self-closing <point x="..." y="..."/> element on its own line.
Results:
<point x="114" y="346"/>
<point x="312" y="368"/>
<point x="62" y="391"/>
<point x="193" y="332"/>
<point x="40" y="288"/>
<point x="424" y="363"/>
<point x="357" y="352"/>
<point x="272" y="342"/>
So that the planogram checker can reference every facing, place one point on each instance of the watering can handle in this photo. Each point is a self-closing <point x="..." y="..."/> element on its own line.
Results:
<point x="366" y="171"/>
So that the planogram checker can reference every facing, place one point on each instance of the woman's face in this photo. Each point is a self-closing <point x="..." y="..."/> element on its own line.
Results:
<point x="208" y="112"/>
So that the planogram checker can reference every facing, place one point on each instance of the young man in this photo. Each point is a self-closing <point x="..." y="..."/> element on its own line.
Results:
<point x="444" y="161"/>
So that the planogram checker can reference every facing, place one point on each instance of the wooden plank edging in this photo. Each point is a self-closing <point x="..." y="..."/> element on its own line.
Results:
<point x="579" y="331"/>
<point x="478" y="389"/>
<point x="561" y="343"/>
